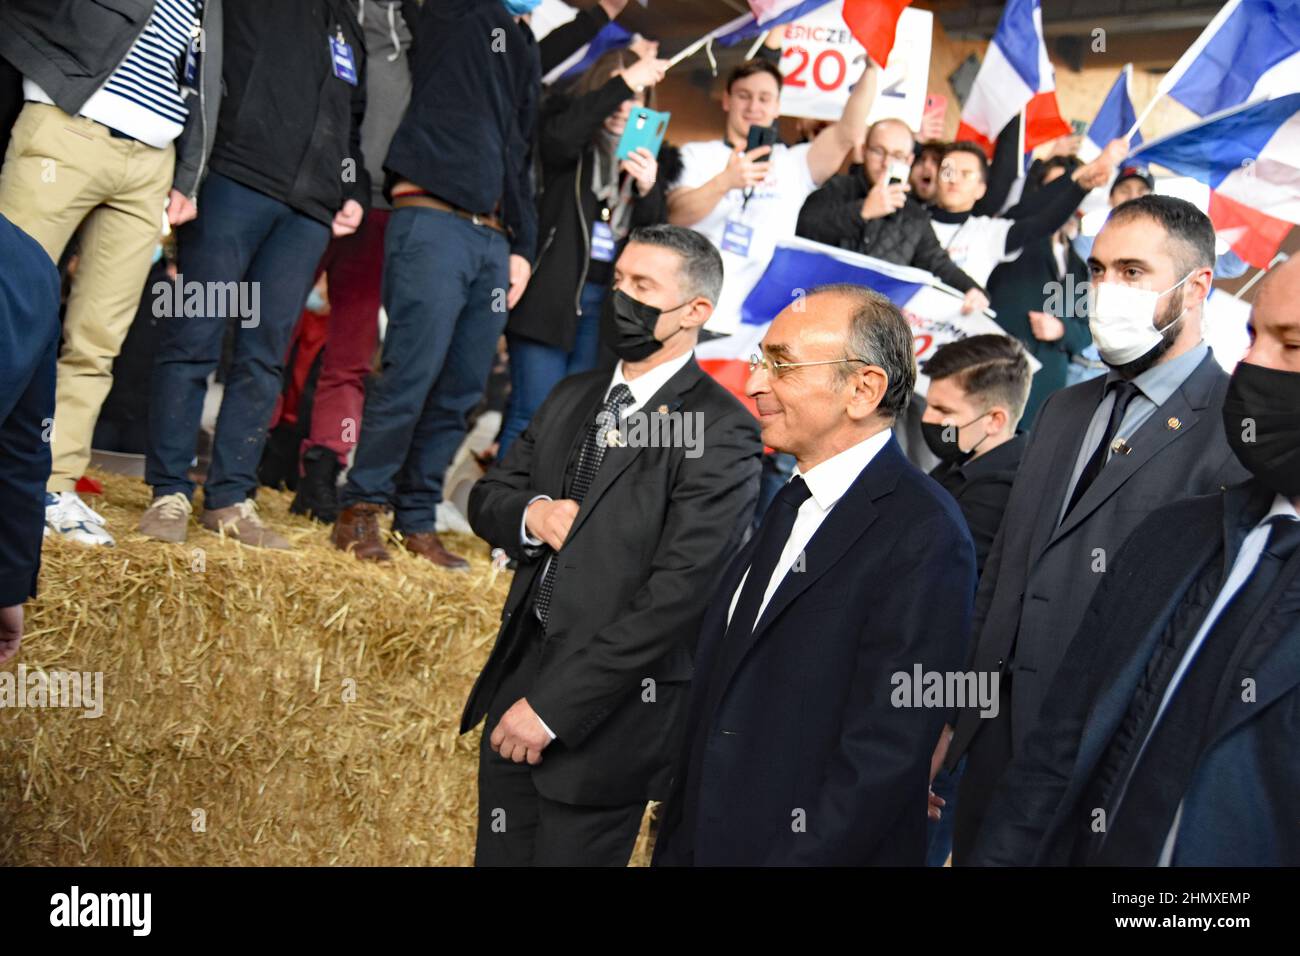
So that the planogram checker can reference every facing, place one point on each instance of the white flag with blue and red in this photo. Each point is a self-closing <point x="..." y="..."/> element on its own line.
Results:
<point x="799" y="265"/>
<point x="1249" y="156"/>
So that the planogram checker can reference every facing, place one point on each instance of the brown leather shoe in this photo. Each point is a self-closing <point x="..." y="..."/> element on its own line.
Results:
<point x="427" y="545"/>
<point x="357" y="529"/>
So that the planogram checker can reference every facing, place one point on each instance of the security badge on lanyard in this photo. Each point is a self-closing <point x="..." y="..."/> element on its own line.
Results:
<point x="190" y="75"/>
<point x="345" y="66"/>
<point x="602" y="238"/>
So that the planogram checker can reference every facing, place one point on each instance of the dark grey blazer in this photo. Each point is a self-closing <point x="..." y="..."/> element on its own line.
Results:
<point x="1040" y="577"/>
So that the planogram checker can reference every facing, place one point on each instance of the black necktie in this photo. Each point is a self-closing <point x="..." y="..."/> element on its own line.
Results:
<point x="772" y="535"/>
<point x="590" y="456"/>
<point x="1136" y="835"/>
<point x="1124" y="393"/>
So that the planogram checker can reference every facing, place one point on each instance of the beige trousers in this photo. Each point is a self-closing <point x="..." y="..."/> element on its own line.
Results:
<point x="62" y="172"/>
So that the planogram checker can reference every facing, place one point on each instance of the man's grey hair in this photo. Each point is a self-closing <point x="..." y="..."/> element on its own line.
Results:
<point x="880" y="336"/>
<point x="701" y="269"/>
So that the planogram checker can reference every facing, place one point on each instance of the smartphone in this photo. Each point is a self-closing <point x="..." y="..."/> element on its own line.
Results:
<point x="899" y="172"/>
<point x="644" y="130"/>
<point x="761" y="136"/>
<point x="1078" y="127"/>
<point x="936" y="103"/>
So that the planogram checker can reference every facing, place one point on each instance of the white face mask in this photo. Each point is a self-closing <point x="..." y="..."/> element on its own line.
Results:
<point x="1123" y="320"/>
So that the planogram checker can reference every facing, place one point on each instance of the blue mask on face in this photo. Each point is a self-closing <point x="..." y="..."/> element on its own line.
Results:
<point x="517" y="8"/>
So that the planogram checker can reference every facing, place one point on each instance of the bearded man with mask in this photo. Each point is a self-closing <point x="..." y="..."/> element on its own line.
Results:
<point x="1102" y="456"/>
<point x="620" y="501"/>
<point x="1178" y="705"/>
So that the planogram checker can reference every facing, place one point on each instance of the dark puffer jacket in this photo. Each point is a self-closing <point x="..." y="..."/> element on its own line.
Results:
<point x="833" y="215"/>
<point x="549" y="309"/>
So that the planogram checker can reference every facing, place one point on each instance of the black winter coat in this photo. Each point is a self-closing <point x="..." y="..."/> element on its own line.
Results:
<point x="289" y="127"/>
<point x="549" y="310"/>
<point x="833" y="215"/>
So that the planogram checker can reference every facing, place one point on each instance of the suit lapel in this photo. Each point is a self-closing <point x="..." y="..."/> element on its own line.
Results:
<point x="848" y="521"/>
<point x="1155" y="434"/>
<point x="1061" y="462"/>
<point x="617" y="460"/>
<point x="1271" y="657"/>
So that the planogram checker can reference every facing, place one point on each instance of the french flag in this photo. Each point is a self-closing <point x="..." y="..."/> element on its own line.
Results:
<point x="1115" y="118"/>
<point x="800" y="265"/>
<point x="1249" y="51"/>
<point x="763" y="15"/>
<point x="1015" y="75"/>
<point x="1249" y="156"/>
<point x="555" y="13"/>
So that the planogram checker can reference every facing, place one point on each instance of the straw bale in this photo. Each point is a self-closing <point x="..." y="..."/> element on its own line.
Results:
<point x="259" y="707"/>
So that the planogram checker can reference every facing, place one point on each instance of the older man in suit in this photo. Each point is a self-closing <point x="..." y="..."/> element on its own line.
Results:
<point x="804" y="744"/>
<point x="620" y="500"/>
<point x="29" y="349"/>
<point x="1103" y="455"/>
<point x="1169" y="737"/>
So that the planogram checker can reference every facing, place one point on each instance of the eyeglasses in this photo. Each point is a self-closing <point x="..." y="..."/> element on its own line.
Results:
<point x="878" y="153"/>
<point x="773" y="367"/>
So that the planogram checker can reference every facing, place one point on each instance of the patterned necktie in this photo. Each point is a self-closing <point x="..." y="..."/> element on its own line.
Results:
<point x="1125" y="392"/>
<point x="1165" y="768"/>
<point x="589" y="459"/>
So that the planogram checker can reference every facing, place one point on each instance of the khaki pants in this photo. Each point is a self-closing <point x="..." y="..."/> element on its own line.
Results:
<point x="62" y="172"/>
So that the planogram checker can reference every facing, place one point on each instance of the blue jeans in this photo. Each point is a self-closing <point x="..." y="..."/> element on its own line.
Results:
<point x="939" y="835"/>
<point x="444" y="292"/>
<point x="271" y="251"/>
<point x="536" y="368"/>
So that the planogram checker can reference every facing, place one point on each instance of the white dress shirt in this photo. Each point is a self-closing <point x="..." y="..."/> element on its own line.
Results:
<point x="827" y="481"/>
<point x="643" y="388"/>
<point x="1252" y="547"/>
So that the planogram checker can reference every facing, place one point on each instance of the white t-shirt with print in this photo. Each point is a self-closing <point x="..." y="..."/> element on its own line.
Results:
<point x="976" y="246"/>
<point x="772" y="213"/>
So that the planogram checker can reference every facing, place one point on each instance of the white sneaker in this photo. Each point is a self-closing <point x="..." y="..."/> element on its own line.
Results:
<point x="67" y="515"/>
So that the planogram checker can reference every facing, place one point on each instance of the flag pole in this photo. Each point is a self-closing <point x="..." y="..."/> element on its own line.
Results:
<point x="1280" y="257"/>
<point x="753" y="50"/>
<point x="1145" y="113"/>
<point x="694" y="47"/>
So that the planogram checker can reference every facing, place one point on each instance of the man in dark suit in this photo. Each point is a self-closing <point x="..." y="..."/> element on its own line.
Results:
<point x="585" y="690"/>
<point x="1169" y="737"/>
<point x="29" y="348"/>
<point x="1103" y="455"/>
<point x="977" y="392"/>
<point x="807" y="738"/>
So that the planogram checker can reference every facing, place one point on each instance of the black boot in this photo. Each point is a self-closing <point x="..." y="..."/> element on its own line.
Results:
<point x="318" y="493"/>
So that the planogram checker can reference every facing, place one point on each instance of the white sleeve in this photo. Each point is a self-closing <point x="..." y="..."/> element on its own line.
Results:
<point x="698" y="166"/>
<point x="526" y="539"/>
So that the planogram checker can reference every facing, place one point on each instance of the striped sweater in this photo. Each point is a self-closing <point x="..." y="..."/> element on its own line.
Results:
<point x="143" y="97"/>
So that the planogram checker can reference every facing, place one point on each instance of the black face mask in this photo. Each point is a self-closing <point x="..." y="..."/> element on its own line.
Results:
<point x="1261" y="416"/>
<point x="630" y="326"/>
<point x="948" y="451"/>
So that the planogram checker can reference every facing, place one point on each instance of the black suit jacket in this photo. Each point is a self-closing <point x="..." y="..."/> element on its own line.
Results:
<point x="981" y="488"/>
<point x="29" y="347"/>
<point x="1239" y="809"/>
<point x="635" y="574"/>
<point x="1041" y="575"/>
<point x="805" y="732"/>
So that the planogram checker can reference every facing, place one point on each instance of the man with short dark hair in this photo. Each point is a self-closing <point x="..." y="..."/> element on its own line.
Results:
<point x="745" y="202"/>
<point x="978" y="386"/>
<point x="801" y="746"/>
<point x="974" y="402"/>
<point x="1103" y="455"/>
<point x="977" y="243"/>
<point x="1168" y="738"/>
<point x="869" y="211"/>
<point x="621" y="497"/>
